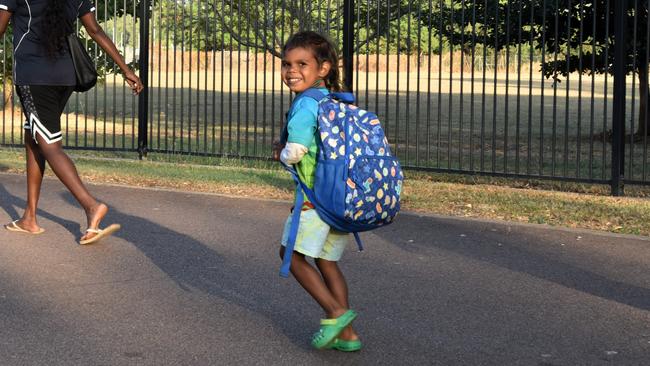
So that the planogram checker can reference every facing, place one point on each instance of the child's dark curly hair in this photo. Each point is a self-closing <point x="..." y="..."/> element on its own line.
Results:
<point x="323" y="50"/>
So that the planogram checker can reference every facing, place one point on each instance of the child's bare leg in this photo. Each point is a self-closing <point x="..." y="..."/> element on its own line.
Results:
<point x="335" y="282"/>
<point x="35" y="171"/>
<point x="65" y="170"/>
<point x="309" y="278"/>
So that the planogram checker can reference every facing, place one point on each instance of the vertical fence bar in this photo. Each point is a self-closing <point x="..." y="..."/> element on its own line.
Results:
<point x="408" y="84"/>
<point x="114" y="88"/>
<point x="483" y="79"/>
<point x="386" y="99"/>
<point x="471" y="103"/>
<point x="205" y="81"/>
<point x="367" y="56"/>
<point x="441" y="45"/>
<point x="348" y="43"/>
<point x="182" y="81"/>
<point x="581" y="12"/>
<point x="645" y="96"/>
<point x="159" y="83"/>
<point x="518" y="113"/>
<point x="239" y="121"/>
<point x="462" y="71"/>
<point x="198" y="81"/>
<point x="603" y="140"/>
<point x="529" y="136"/>
<point x="377" y="59"/>
<point x="618" y="110"/>
<point x="150" y="115"/>
<point x="630" y="161"/>
<point x="214" y="80"/>
<point x="541" y="97"/>
<point x="355" y="36"/>
<point x="256" y="93"/>
<point x="397" y="79"/>
<point x="133" y="99"/>
<point x="4" y="93"/>
<point x="189" y="76"/>
<point x="450" y="36"/>
<point x="567" y="101"/>
<point x="592" y="111"/>
<point x="143" y="98"/>
<point x="417" y="88"/>
<point x="264" y="114"/>
<point x="495" y="92"/>
<point x="230" y="84"/>
<point x="555" y="83"/>
<point x="506" y="104"/>
<point x="222" y="94"/>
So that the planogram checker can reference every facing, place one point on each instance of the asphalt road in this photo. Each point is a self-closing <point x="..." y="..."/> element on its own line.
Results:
<point x="192" y="279"/>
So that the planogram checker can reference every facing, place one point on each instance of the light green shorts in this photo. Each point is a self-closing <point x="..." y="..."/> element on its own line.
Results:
<point x="315" y="238"/>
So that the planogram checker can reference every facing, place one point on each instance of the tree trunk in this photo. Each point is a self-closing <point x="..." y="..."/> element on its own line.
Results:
<point x="643" y="127"/>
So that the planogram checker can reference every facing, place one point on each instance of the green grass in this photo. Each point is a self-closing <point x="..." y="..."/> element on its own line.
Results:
<point x="541" y="202"/>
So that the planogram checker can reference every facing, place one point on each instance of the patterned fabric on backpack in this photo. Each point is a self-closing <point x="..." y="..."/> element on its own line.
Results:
<point x="373" y="179"/>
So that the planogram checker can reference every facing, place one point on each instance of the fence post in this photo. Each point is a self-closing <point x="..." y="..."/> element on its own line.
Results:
<point x="143" y="62"/>
<point x="348" y="42"/>
<point x="618" y="117"/>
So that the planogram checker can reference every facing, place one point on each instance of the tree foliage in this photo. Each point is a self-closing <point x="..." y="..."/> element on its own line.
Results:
<point x="264" y="26"/>
<point x="571" y="35"/>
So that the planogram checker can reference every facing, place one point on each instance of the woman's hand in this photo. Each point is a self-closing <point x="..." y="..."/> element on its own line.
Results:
<point x="134" y="81"/>
<point x="5" y="16"/>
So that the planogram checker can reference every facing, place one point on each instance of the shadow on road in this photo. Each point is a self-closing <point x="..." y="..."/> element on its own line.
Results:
<point x="192" y="265"/>
<point x="10" y="202"/>
<point x="512" y="256"/>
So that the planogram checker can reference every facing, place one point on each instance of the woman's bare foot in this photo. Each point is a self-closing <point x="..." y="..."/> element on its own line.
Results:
<point x="29" y="225"/>
<point x="94" y="217"/>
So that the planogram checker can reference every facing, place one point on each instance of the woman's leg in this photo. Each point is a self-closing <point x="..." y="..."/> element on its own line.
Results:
<point x="65" y="170"/>
<point x="309" y="278"/>
<point x="338" y="287"/>
<point x="35" y="170"/>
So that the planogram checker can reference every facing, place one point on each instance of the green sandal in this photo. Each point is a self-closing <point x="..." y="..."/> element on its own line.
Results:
<point x="331" y="328"/>
<point x="345" y="346"/>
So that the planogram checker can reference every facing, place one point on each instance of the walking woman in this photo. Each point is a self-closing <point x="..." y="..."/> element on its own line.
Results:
<point x="44" y="77"/>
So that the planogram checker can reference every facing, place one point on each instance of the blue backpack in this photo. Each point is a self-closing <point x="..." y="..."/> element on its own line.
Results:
<point x="358" y="181"/>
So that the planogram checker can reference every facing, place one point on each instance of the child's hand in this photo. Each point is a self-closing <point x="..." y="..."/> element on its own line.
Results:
<point x="277" y="149"/>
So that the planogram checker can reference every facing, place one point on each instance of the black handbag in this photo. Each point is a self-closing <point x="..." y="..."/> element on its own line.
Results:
<point x="84" y="67"/>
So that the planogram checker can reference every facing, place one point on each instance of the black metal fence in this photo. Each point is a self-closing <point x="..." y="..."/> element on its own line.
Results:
<point x="533" y="89"/>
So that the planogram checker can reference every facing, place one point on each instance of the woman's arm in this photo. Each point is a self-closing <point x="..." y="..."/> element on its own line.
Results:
<point x="4" y="21"/>
<point x="96" y="32"/>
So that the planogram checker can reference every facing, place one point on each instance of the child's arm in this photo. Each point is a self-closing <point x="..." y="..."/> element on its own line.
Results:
<point x="301" y="128"/>
<point x="293" y="153"/>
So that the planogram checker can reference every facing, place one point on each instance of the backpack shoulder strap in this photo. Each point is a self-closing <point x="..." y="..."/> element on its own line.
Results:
<point x="345" y="97"/>
<point x="314" y="93"/>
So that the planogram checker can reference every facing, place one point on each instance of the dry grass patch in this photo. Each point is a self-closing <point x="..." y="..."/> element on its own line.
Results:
<point x="588" y="206"/>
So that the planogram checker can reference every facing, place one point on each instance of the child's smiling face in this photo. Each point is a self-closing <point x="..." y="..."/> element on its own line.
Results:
<point x="300" y="69"/>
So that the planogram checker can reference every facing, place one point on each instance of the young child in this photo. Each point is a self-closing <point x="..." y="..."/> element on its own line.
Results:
<point x="309" y="60"/>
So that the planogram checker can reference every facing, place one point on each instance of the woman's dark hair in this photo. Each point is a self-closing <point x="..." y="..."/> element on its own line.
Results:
<point x="323" y="51"/>
<point x="57" y="27"/>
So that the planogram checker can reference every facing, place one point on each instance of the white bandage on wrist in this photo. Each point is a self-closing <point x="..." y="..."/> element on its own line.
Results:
<point x="293" y="153"/>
